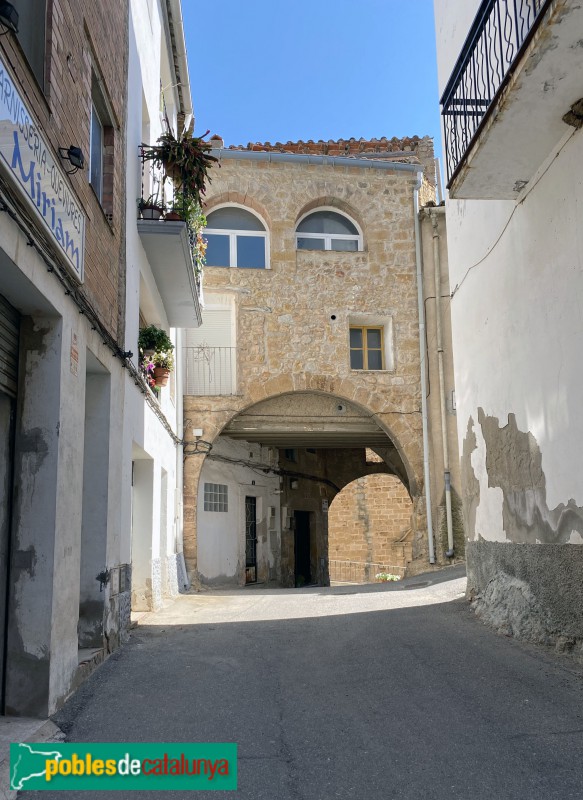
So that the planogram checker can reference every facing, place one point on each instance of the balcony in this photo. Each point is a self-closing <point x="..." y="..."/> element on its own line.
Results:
<point x="168" y="250"/>
<point x="210" y="370"/>
<point x="517" y="76"/>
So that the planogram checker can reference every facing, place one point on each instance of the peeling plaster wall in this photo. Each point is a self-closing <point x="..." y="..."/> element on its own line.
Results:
<point x="517" y="319"/>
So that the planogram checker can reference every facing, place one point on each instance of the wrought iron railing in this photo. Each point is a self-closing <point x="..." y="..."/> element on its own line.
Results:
<point x="500" y="32"/>
<point x="210" y="370"/>
<point x="360" y="571"/>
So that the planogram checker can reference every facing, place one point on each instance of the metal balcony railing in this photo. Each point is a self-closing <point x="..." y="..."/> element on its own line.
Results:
<point x="210" y="370"/>
<point x="360" y="571"/>
<point x="501" y="31"/>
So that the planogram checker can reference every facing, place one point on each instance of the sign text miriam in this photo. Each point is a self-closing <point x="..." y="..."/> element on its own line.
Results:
<point x="31" y="164"/>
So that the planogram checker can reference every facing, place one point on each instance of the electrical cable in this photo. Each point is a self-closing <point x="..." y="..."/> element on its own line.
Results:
<point x="35" y="239"/>
<point x="508" y="221"/>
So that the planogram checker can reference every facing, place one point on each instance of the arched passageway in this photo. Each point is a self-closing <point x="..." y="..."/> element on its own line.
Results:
<point x="265" y="489"/>
<point x="369" y="530"/>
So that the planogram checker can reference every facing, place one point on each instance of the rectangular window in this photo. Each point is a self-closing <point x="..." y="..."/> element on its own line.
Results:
<point x="101" y="146"/>
<point x="218" y="250"/>
<point x="366" y="348"/>
<point x="216" y="497"/>
<point x="290" y="454"/>
<point x="32" y="21"/>
<point x="251" y="252"/>
<point x="96" y="153"/>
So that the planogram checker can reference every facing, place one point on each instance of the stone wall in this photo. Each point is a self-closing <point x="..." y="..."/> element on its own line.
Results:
<point x="293" y="319"/>
<point x="369" y="529"/>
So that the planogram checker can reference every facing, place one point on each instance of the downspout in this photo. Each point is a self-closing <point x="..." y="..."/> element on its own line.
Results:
<point x="423" y="365"/>
<point x="442" y="402"/>
<point x="179" y="490"/>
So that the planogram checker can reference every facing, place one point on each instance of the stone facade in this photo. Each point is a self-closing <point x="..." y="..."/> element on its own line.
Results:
<point x="369" y="529"/>
<point x="292" y="325"/>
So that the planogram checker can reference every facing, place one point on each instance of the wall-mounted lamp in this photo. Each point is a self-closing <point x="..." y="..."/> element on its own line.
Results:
<point x="74" y="155"/>
<point x="8" y="17"/>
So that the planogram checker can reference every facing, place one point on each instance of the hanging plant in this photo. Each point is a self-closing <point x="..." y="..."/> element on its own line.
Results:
<point x="186" y="160"/>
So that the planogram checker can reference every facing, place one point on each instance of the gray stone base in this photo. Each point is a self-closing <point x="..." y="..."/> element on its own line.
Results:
<point x="172" y="575"/>
<point x="531" y="591"/>
<point x="156" y="584"/>
<point x="125" y="615"/>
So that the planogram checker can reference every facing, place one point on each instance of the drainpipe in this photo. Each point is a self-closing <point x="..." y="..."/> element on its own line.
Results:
<point x="423" y="364"/>
<point x="442" y="401"/>
<point x="179" y="489"/>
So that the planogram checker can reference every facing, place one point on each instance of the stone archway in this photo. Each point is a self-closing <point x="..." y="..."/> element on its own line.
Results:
<point x="328" y="435"/>
<point x="369" y="529"/>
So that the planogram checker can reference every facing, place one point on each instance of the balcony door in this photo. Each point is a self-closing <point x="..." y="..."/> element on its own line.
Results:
<point x="210" y="356"/>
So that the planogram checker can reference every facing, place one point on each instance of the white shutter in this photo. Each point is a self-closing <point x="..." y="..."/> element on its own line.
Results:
<point x="215" y="330"/>
<point x="210" y="358"/>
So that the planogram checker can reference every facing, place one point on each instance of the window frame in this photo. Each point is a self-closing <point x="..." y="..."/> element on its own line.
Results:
<point x="213" y="495"/>
<point x="41" y="77"/>
<point x="328" y="237"/>
<point x="233" y="233"/>
<point x="95" y="115"/>
<point x="364" y="349"/>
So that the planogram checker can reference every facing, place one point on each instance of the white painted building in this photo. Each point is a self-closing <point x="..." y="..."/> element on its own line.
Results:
<point x="90" y="458"/>
<point x="158" y="291"/>
<point x="510" y="74"/>
<point x="239" y="501"/>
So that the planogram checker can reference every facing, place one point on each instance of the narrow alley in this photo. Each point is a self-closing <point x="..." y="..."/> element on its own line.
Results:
<point x="380" y="691"/>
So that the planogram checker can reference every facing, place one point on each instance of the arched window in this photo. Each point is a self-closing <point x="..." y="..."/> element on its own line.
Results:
<point x="328" y="230"/>
<point x="236" y="238"/>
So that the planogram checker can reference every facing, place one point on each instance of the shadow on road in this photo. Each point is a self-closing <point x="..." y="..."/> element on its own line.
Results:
<point x="416" y="703"/>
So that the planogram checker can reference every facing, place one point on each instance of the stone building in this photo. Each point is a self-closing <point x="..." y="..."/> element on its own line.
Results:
<point x="510" y="75"/>
<point x="78" y="424"/>
<point x="312" y="353"/>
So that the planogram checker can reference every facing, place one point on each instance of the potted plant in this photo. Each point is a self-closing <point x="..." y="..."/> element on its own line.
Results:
<point x="150" y="208"/>
<point x="153" y="339"/>
<point x="385" y="577"/>
<point x="185" y="159"/>
<point x="163" y="363"/>
<point x="174" y="215"/>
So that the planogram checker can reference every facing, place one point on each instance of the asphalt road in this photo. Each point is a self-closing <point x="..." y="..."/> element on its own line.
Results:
<point x="375" y="692"/>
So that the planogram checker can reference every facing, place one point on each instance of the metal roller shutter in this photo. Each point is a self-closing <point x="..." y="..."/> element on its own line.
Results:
<point x="9" y="336"/>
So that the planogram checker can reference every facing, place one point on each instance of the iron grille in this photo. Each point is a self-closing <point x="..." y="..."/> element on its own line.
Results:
<point x="500" y="32"/>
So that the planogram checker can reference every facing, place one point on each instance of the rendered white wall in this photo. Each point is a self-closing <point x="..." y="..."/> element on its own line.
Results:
<point x="517" y="317"/>
<point x="221" y="535"/>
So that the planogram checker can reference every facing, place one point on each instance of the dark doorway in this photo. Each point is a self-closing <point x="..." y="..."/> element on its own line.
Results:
<point x="250" y="540"/>
<point x="303" y="571"/>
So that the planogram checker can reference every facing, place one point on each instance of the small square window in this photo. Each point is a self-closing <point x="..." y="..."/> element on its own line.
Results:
<point x="366" y="348"/>
<point x="216" y="497"/>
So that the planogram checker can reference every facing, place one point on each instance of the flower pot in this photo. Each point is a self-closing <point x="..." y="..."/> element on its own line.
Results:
<point x="149" y="353"/>
<point x="173" y="216"/>
<point x="161" y="375"/>
<point x="151" y="212"/>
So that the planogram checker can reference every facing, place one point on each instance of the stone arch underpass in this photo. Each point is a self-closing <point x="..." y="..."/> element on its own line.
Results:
<point x="257" y="503"/>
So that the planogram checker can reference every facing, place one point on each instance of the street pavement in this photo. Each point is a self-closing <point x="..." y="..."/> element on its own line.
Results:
<point x="386" y="691"/>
